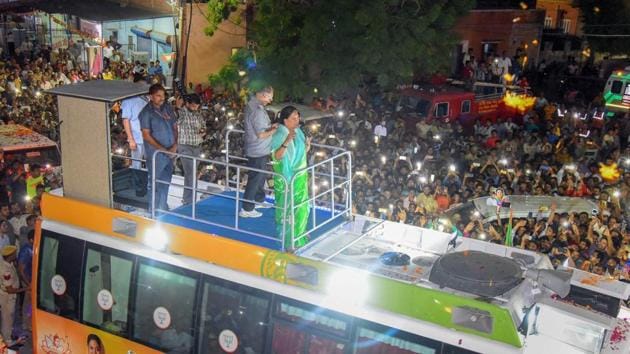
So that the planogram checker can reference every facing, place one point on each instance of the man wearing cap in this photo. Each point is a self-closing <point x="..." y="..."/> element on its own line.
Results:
<point x="9" y="288"/>
<point x="191" y="129"/>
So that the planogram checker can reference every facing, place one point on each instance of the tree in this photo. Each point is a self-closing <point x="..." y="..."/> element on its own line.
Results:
<point x="606" y="24"/>
<point x="232" y="74"/>
<point x="333" y="45"/>
<point x="218" y="11"/>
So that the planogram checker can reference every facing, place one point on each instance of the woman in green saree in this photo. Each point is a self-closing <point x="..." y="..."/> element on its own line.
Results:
<point x="288" y="152"/>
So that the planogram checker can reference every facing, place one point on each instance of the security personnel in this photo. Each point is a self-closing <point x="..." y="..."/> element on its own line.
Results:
<point x="9" y="288"/>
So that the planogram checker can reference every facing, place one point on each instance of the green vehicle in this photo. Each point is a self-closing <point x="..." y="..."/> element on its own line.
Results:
<point x="617" y="91"/>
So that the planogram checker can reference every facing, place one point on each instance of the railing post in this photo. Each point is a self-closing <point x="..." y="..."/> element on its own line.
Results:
<point x="155" y="153"/>
<point x="313" y="213"/>
<point x="194" y="186"/>
<point x="238" y="182"/>
<point x="349" y="199"/>
<point x="332" y="189"/>
<point x="292" y="230"/>
<point x="284" y="214"/>
<point x="227" y="159"/>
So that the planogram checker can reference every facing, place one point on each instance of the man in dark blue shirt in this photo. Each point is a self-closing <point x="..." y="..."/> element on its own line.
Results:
<point x="159" y="132"/>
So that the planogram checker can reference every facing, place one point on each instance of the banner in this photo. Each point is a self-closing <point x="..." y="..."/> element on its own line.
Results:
<point x="82" y="34"/>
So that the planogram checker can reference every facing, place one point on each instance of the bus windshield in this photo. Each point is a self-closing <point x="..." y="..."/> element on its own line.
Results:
<point x="416" y="105"/>
<point x="43" y="156"/>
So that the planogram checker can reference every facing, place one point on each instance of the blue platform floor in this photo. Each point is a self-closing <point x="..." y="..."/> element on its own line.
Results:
<point x="220" y="211"/>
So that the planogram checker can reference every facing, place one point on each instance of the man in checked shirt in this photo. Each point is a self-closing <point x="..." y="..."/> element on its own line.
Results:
<point x="192" y="129"/>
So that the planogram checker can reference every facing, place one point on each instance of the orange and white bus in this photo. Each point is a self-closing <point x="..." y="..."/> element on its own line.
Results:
<point x="106" y="281"/>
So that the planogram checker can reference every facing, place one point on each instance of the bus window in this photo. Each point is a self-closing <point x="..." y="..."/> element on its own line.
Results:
<point x="311" y="328"/>
<point x="379" y="339"/>
<point x="287" y="340"/>
<point x="230" y="306"/>
<point x="318" y="344"/>
<point x="616" y="87"/>
<point x="322" y="320"/>
<point x="60" y="274"/>
<point x="42" y="156"/>
<point x="164" y="307"/>
<point x="106" y="290"/>
<point x="451" y="349"/>
<point x="290" y="340"/>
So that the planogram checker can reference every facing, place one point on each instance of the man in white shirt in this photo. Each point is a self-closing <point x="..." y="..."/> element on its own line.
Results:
<point x="504" y="64"/>
<point x="108" y="51"/>
<point x="380" y="130"/>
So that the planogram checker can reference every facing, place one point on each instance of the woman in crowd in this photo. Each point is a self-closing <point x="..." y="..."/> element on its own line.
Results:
<point x="289" y="147"/>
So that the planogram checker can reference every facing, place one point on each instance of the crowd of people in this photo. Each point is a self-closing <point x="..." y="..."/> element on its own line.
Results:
<point x="414" y="173"/>
<point x="409" y="173"/>
<point x="24" y="75"/>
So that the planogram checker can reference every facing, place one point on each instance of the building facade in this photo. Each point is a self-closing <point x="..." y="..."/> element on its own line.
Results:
<point x="562" y="35"/>
<point x="492" y="31"/>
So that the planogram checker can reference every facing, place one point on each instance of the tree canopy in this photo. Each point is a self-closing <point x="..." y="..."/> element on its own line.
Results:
<point x="606" y="24"/>
<point x="332" y="45"/>
<point x="218" y="11"/>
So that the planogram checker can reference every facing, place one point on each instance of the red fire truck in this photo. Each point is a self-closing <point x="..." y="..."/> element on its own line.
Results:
<point x="486" y="102"/>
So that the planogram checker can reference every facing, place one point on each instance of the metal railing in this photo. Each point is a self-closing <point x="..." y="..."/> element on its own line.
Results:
<point x="325" y="170"/>
<point x="346" y="183"/>
<point x="335" y="182"/>
<point x="196" y="192"/>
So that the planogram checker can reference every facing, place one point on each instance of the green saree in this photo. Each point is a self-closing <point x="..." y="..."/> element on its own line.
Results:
<point x="294" y="159"/>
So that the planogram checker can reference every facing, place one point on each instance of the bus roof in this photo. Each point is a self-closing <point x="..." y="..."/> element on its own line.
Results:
<point x="16" y="137"/>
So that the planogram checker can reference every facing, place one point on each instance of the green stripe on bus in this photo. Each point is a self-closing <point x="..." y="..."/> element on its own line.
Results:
<point x="409" y="300"/>
<point x="436" y="307"/>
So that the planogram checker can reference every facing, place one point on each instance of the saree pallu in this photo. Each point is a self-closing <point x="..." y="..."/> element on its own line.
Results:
<point x="292" y="161"/>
